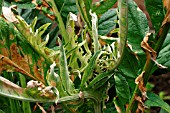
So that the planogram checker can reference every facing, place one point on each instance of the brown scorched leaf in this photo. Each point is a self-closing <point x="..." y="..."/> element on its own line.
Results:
<point x="167" y="18"/>
<point x="166" y="4"/>
<point x="150" y="53"/>
<point x="146" y="46"/>
<point x="17" y="56"/>
<point x="140" y="83"/>
<point x="141" y="106"/>
<point x="9" y="65"/>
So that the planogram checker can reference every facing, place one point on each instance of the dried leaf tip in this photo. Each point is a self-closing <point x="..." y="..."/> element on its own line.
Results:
<point x="8" y="14"/>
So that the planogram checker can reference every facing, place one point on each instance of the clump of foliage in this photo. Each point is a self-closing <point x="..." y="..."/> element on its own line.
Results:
<point x="72" y="55"/>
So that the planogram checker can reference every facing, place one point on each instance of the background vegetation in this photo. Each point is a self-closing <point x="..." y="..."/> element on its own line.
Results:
<point x="76" y="56"/>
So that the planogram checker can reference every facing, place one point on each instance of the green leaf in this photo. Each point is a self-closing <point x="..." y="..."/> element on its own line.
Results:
<point x="95" y="31"/>
<point x="122" y="88"/>
<point x="25" y="5"/>
<point x="84" y="15"/>
<point x="156" y="12"/>
<point x="107" y="22"/>
<point x="129" y="66"/>
<point x="163" y="57"/>
<point x="119" y="105"/>
<point x="104" y="6"/>
<point x="137" y="26"/>
<point x="155" y="101"/>
<point x="1" y="4"/>
<point x="64" y="73"/>
<point x="66" y="6"/>
<point x="97" y="85"/>
<point x="100" y="77"/>
<point x="89" y="70"/>
<point x="88" y="5"/>
<point x="1" y="111"/>
<point x="163" y="111"/>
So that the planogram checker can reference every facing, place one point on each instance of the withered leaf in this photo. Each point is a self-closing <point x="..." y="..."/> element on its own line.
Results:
<point x="141" y="106"/>
<point x="146" y="46"/>
<point x="140" y="83"/>
<point x="8" y="14"/>
<point x="150" y="53"/>
<point x="167" y="18"/>
<point x="166" y="4"/>
<point x="159" y="65"/>
<point x="6" y="63"/>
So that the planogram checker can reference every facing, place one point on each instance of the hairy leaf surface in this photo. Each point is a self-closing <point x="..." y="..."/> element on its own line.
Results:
<point x="156" y="12"/>
<point x="103" y="6"/>
<point x="122" y="88"/>
<point x="137" y="26"/>
<point x="107" y="22"/>
<point x="163" y="57"/>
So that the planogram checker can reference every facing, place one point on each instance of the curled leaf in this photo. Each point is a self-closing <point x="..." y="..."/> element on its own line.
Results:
<point x="141" y="105"/>
<point x="8" y="14"/>
<point x="166" y="4"/>
<point x="159" y="65"/>
<point x="73" y="17"/>
<point x="167" y="18"/>
<point x="146" y="46"/>
<point x="150" y="53"/>
<point x="52" y="77"/>
<point x="140" y="83"/>
<point x="95" y="31"/>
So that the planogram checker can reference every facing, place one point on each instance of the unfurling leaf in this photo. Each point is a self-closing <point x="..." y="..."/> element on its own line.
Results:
<point x="88" y="73"/>
<point x="95" y="31"/>
<point x="52" y="77"/>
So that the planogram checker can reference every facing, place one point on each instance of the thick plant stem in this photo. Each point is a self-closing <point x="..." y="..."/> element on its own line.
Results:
<point x="97" y="108"/>
<point x="60" y="21"/>
<point x="123" y="29"/>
